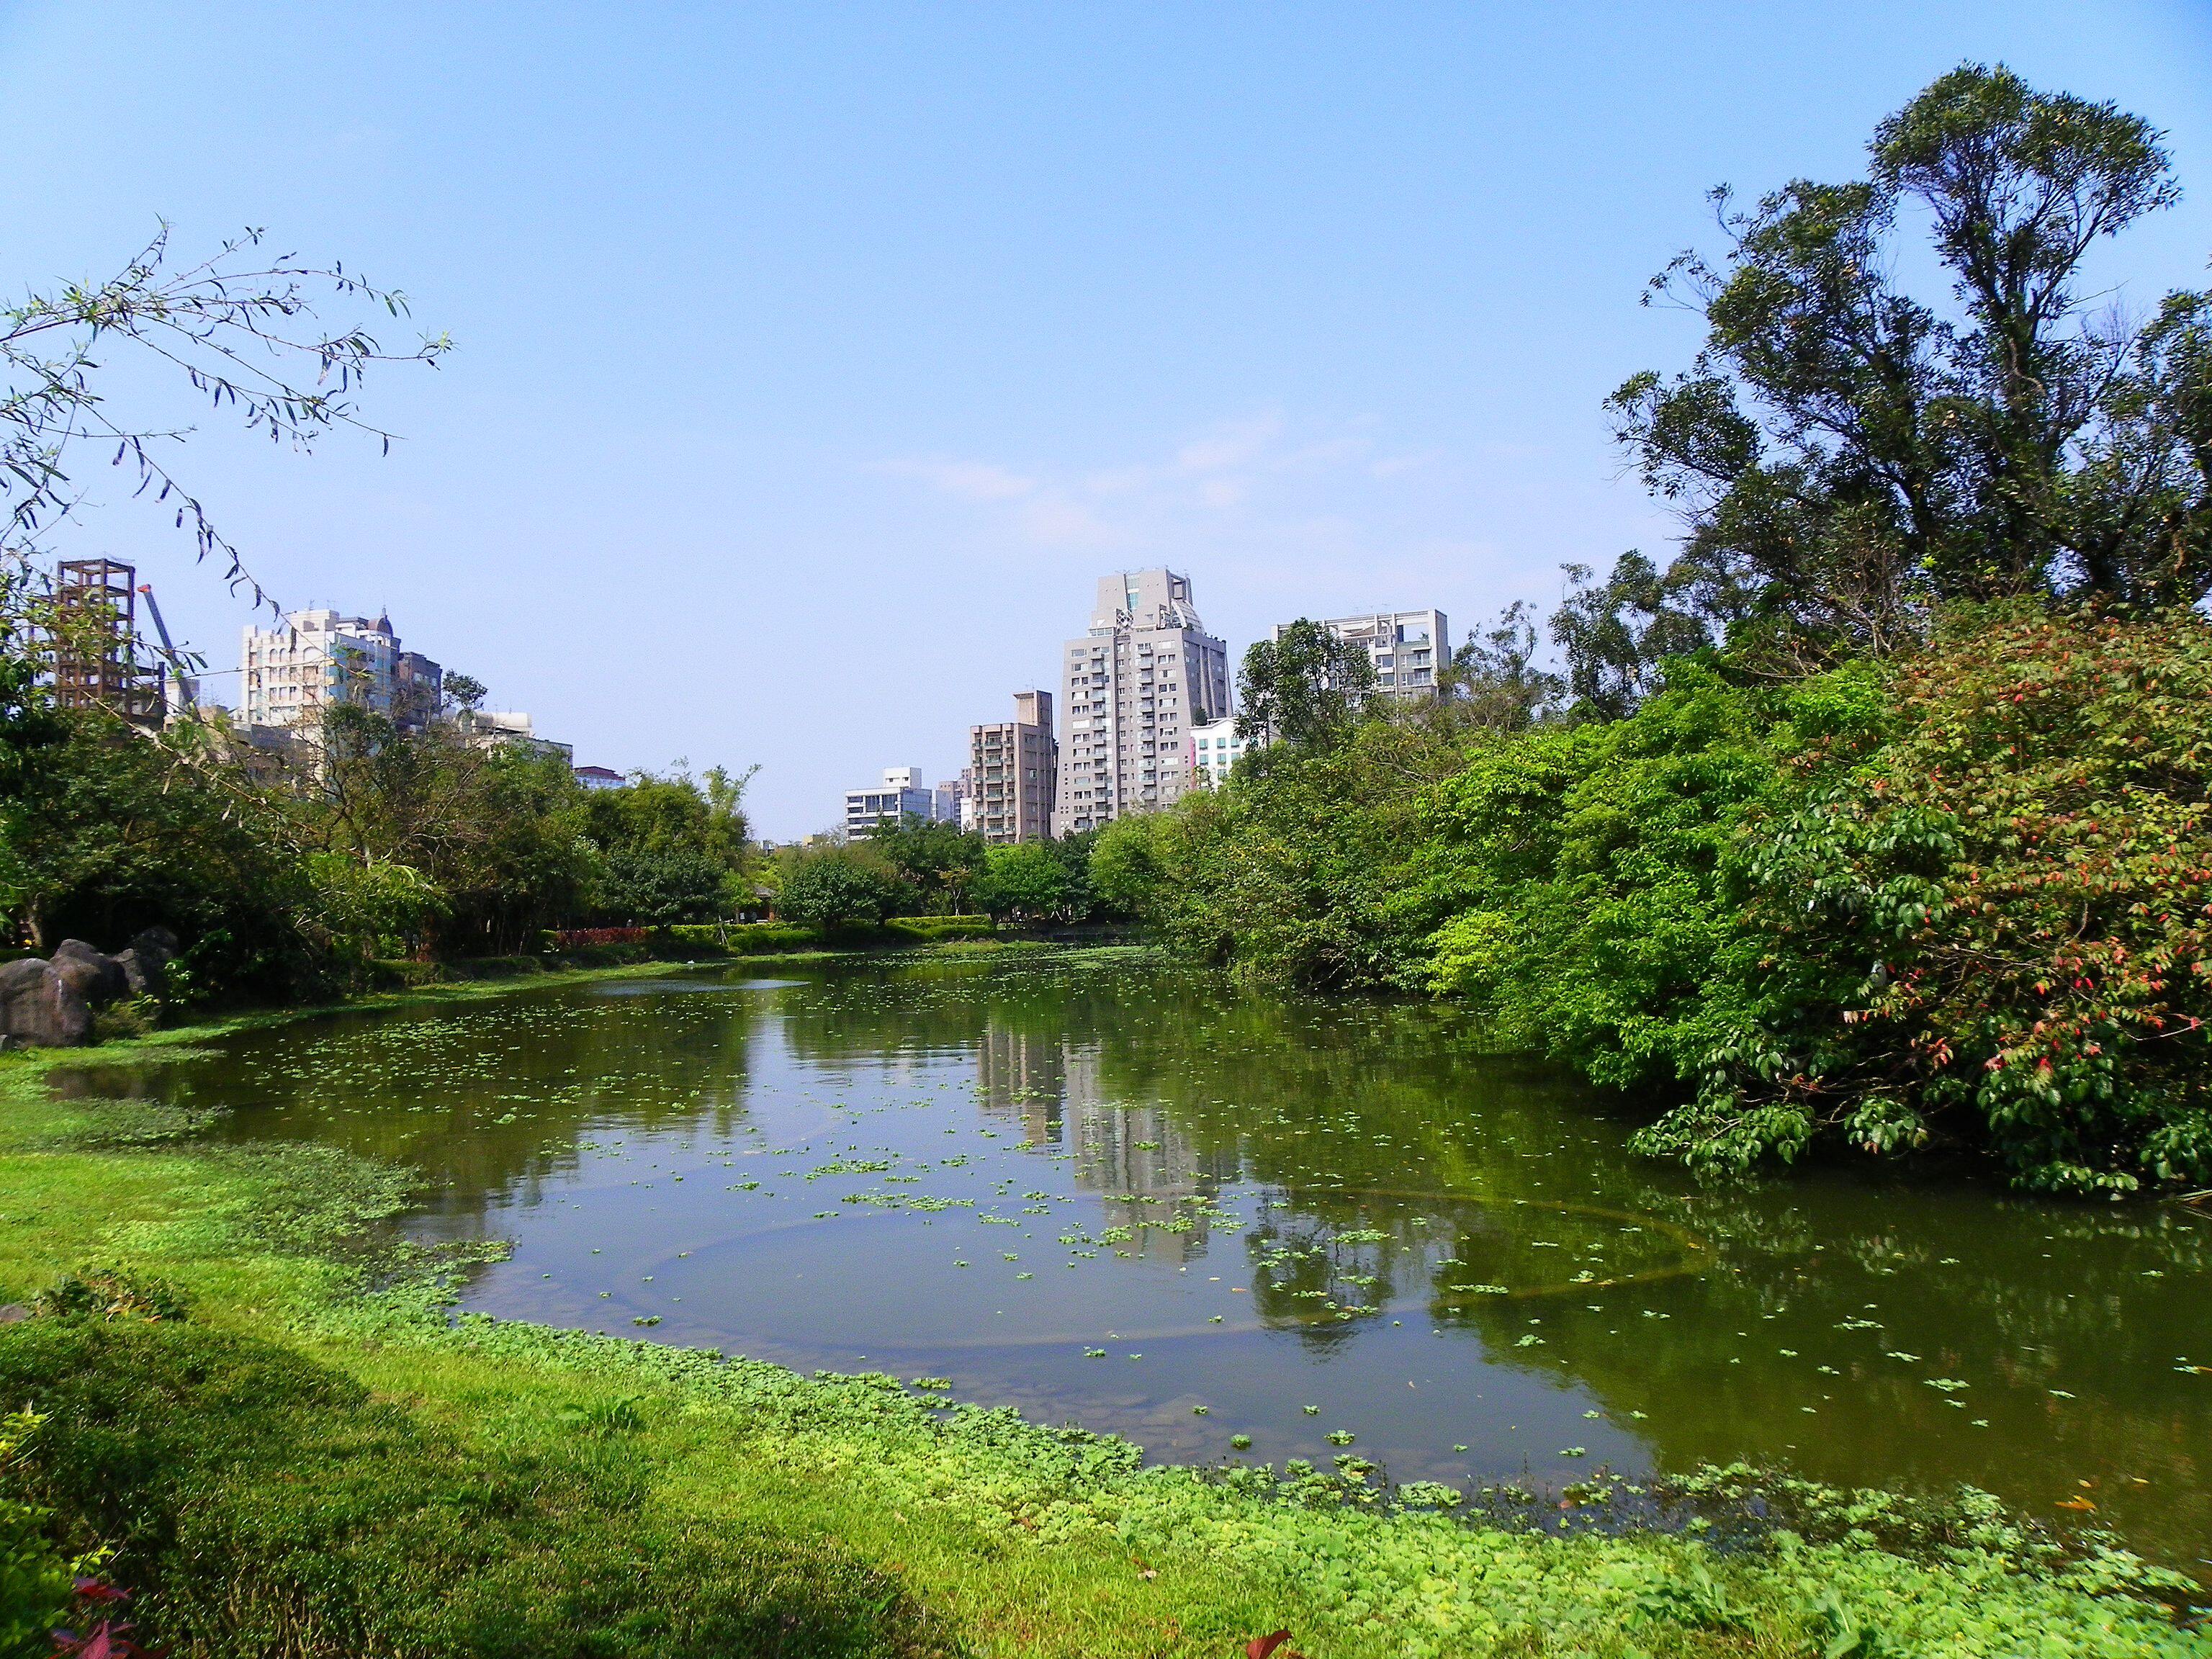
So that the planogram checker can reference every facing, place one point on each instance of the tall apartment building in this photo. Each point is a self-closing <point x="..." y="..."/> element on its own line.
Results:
<point x="418" y="686"/>
<point x="1407" y="648"/>
<point x="1014" y="766"/>
<point x="901" y="792"/>
<point x="290" y="674"/>
<point x="1135" y="687"/>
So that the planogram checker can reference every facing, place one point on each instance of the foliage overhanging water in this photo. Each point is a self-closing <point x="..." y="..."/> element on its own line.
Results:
<point x="1106" y="1190"/>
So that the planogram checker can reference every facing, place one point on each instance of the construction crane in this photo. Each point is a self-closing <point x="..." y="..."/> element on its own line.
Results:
<point x="169" y="649"/>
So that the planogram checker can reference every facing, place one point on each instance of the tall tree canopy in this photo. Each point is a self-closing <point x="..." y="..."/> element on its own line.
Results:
<point x="1849" y="453"/>
<point x="1303" y="687"/>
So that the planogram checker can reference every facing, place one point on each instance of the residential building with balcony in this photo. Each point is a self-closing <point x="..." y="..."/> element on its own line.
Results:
<point x="418" y="687"/>
<point x="1214" y="748"/>
<point x="317" y="659"/>
<point x="1134" y="688"/>
<point x="901" y="792"/>
<point x="1408" y="649"/>
<point x="1013" y="771"/>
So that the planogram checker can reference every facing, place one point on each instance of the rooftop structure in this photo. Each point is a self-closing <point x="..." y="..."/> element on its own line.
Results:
<point x="1136" y="685"/>
<point x="492" y="728"/>
<point x="95" y="658"/>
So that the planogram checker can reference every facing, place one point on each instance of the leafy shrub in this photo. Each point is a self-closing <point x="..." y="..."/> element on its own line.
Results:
<point x="661" y="884"/>
<point x="1589" y="868"/>
<point x="35" y="1577"/>
<point x="1691" y="1598"/>
<point x="2021" y="880"/>
<point x="929" y="930"/>
<point x="745" y="939"/>
<point x="112" y="1293"/>
<point x="839" y="886"/>
<point x="133" y="1017"/>
<point x="1962" y="897"/>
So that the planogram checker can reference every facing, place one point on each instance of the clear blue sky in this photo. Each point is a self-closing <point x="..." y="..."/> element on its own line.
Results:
<point x="814" y="360"/>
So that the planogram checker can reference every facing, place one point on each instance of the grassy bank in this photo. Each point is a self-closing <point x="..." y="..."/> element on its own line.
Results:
<point x="315" y="1458"/>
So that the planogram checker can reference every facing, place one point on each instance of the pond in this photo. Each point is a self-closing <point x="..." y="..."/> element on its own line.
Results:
<point x="1112" y="1191"/>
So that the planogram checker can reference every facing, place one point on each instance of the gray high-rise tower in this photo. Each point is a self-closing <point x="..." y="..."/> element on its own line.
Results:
<point x="1135" y="685"/>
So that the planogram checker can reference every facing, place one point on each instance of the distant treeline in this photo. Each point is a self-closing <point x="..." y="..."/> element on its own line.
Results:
<point x="285" y="871"/>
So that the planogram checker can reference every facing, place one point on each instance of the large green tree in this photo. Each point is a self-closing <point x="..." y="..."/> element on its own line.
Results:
<point x="942" y="861"/>
<point x="113" y="830"/>
<point x="1026" y="879"/>
<point x="672" y="848"/>
<point x="1849" y="453"/>
<point x="1303" y="687"/>
<point x="837" y="886"/>
<point x="500" y="832"/>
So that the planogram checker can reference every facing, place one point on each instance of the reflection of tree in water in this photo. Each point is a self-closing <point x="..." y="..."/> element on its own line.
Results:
<point x="1822" y="1336"/>
<point x="489" y="1101"/>
<point x="1309" y="1266"/>
<point x="1332" y="1105"/>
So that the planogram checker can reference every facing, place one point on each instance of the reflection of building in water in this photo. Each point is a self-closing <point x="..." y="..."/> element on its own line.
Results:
<point x="1022" y="1077"/>
<point x="1134" y="1153"/>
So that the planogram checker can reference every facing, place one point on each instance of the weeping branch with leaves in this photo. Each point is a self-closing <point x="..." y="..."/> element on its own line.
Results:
<point x="240" y="326"/>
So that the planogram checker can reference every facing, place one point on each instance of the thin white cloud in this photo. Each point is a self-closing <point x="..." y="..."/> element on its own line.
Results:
<point x="1053" y="521"/>
<point x="1392" y="467"/>
<point x="1230" y="444"/>
<point x="1248" y="482"/>
<point x="968" y="480"/>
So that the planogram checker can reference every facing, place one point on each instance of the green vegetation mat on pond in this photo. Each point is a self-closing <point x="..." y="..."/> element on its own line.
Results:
<point x="309" y="1456"/>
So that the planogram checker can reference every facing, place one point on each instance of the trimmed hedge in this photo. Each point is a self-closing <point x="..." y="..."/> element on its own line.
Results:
<point x="743" y="938"/>
<point x="929" y="930"/>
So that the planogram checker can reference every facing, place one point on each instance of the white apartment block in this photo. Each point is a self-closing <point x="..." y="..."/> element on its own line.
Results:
<point x="289" y="675"/>
<point x="1407" y="647"/>
<point x="1135" y="687"/>
<point x="901" y="792"/>
<point x="1214" y="748"/>
<point x="1012" y="770"/>
<point x="492" y="729"/>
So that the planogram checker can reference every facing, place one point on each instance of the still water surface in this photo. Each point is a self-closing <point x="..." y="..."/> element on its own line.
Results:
<point x="1105" y="1190"/>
